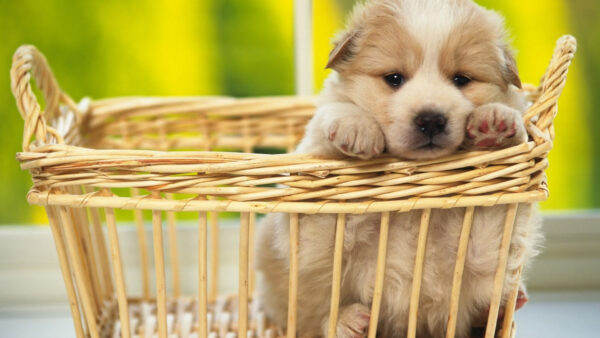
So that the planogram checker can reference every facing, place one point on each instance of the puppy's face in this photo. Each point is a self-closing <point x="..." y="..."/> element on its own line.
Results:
<point x="421" y="67"/>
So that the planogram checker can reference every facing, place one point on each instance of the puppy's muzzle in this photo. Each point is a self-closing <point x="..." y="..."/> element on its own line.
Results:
<point x="430" y="122"/>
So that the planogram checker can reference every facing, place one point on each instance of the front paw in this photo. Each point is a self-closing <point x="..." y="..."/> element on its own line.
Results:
<point x="353" y="321"/>
<point x="494" y="126"/>
<point x="357" y="136"/>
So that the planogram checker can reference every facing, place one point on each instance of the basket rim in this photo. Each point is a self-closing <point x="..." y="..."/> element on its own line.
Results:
<point x="510" y="175"/>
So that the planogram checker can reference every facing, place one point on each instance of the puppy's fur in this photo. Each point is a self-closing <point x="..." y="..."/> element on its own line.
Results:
<point x="433" y="45"/>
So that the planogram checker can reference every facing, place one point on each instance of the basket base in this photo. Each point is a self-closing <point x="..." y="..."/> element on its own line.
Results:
<point x="182" y="319"/>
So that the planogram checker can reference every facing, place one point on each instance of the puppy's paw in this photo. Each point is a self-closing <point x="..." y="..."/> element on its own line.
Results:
<point x="494" y="125"/>
<point x="522" y="298"/>
<point x="356" y="135"/>
<point x="353" y="321"/>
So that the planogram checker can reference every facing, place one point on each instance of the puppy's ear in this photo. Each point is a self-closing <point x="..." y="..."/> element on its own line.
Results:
<point x="343" y="49"/>
<point x="511" y="73"/>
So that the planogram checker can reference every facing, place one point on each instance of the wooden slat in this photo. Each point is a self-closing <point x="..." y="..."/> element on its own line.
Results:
<point x="97" y="288"/>
<point x="82" y="287"/>
<point x="202" y="276"/>
<point x="293" y="277"/>
<point x="59" y="241"/>
<point x="509" y="222"/>
<point x="508" y="325"/>
<point x="83" y="256"/>
<point x="379" y="273"/>
<point x="173" y="255"/>
<point x="214" y="257"/>
<point x="509" y="311"/>
<point x="243" y="276"/>
<point x="459" y="267"/>
<point x="337" y="275"/>
<point x="115" y="253"/>
<point x="143" y="246"/>
<point x="102" y="253"/>
<point x="251" y="276"/>
<point x="159" y="264"/>
<point x="418" y="274"/>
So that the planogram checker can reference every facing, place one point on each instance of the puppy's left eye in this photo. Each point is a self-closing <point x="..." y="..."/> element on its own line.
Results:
<point x="460" y="80"/>
<point x="395" y="80"/>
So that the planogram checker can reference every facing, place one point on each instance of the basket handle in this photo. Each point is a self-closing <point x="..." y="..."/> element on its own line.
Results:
<point x="28" y="61"/>
<point x="545" y="107"/>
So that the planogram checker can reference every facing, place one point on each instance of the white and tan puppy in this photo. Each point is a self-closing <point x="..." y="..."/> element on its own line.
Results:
<point x="417" y="80"/>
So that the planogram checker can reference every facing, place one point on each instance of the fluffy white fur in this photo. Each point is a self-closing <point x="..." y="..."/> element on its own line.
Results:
<point x="429" y="42"/>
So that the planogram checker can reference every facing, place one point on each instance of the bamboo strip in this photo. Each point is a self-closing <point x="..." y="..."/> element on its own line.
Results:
<point x="143" y="246"/>
<point x="379" y="274"/>
<point x="214" y="257"/>
<point x="509" y="311"/>
<point x="243" y="276"/>
<point x="86" y="237"/>
<point x="159" y="265"/>
<point x="251" y="275"/>
<point x="510" y="307"/>
<point x="293" y="277"/>
<point x="96" y="260"/>
<point x="83" y="257"/>
<point x="172" y="233"/>
<point x="461" y="255"/>
<point x="337" y="275"/>
<point x="203" y="328"/>
<point x="418" y="274"/>
<point x="115" y="253"/>
<point x="509" y="223"/>
<point x="82" y="288"/>
<point x="102" y="253"/>
<point x="59" y="242"/>
<point x="323" y="207"/>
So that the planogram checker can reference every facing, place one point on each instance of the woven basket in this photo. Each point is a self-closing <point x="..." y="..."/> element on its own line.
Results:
<point x="81" y="156"/>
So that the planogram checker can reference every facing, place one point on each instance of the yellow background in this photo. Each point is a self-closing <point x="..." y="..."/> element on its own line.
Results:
<point x="244" y="48"/>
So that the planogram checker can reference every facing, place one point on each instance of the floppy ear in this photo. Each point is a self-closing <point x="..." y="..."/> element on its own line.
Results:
<point x="343" y="49"/>
<point x="511" y="73"/>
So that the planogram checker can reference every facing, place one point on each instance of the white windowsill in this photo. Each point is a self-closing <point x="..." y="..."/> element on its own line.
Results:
<point x="564" y="282"/>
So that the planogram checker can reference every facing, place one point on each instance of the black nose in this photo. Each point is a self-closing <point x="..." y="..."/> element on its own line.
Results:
<point x="430" y="123"/>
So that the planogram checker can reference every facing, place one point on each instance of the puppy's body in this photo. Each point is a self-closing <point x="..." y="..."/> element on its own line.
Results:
<point x="317" y="233"/>
<point x="418" y="79"/>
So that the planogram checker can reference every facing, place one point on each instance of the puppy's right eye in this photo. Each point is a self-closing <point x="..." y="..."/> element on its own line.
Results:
<point x="395" y="80"/>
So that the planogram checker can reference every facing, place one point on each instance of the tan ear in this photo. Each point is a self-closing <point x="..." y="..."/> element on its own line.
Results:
<point x="342" y="50"/>
<point x="511" y="73"/>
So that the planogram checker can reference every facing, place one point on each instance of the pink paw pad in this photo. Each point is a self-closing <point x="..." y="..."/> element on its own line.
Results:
<point x="522" y="299"/>
<point x="491" y="129"/>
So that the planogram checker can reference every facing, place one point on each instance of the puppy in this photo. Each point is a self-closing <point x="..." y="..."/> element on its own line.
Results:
<point x="417" y="80"/>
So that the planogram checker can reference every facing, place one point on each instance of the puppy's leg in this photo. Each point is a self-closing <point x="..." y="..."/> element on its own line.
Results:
<point x="342" y="128"/>
<point x="353" y="321"/>
<point x="494" y="125"/>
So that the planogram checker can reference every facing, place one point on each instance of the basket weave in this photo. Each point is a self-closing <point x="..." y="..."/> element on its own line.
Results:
<point x="78" y="154"/>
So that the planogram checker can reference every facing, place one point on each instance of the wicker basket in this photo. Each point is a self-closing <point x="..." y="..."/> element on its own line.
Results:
<point x="81" y="156"/>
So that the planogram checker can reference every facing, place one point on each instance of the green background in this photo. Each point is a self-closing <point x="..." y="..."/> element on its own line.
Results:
<point x="244" y="48"/>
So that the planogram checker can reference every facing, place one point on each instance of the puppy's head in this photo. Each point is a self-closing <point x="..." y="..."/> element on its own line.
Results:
<point x="421" y="67"/>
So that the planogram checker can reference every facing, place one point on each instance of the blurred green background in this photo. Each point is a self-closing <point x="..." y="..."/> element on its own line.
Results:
<point x="244" y="48"/>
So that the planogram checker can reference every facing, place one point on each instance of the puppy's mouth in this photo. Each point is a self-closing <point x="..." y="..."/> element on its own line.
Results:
<point x="430" y="146"/>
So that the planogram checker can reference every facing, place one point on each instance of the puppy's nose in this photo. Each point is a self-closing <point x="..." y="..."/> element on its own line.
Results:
<point x="430" y="123"/>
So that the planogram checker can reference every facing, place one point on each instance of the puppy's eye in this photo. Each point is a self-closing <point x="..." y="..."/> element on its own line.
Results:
<point x="395" y="80"/>
<point x="460" y="80"/>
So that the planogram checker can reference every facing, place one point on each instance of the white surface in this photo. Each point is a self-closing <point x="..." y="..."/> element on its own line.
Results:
<point x="560" y="315"/>
<point x="29" y="274"/>
<point x="548" y="315"/>
<point x="28" y="259"/>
